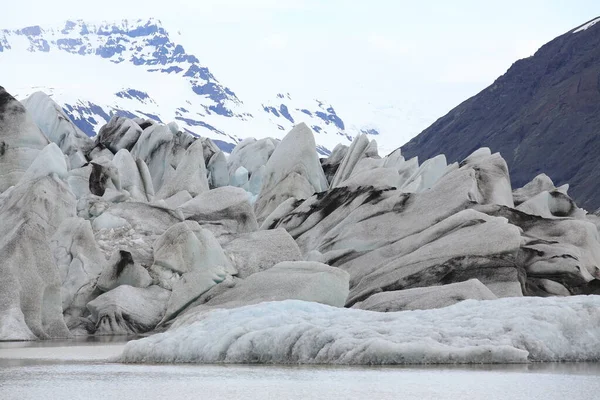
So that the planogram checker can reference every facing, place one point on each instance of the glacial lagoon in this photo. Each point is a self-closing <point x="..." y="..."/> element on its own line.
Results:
<point x="81" y="369"/>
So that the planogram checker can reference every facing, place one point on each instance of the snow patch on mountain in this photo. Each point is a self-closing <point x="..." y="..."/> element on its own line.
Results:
<point x="96" y="71"/>
<point x="136" y="69"/>
<point x="587" y="25"/>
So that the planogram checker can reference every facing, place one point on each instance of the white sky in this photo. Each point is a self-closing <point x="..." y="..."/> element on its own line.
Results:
<point x="424" y="56"/>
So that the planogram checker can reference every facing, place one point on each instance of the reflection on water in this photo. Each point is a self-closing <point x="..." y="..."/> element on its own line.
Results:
<point x="589" y="368"/>
<point x="78" y="369"/>
<point x="80" y="349"/>
<point x="75" y="341"/>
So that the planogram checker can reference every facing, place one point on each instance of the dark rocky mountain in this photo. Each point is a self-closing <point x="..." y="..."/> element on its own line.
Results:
<point x="543" y="114"/>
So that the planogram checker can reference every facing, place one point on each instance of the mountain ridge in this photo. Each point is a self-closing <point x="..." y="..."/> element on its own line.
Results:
<point x="543" y="114"/>
<point x="162" y="82"/>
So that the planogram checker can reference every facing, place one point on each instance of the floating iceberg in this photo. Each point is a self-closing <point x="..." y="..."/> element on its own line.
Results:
<point x="509" y="330"/>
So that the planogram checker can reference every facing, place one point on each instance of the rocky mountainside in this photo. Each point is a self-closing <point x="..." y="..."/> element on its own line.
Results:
<point x="137" y="69"/>
<point x="147" y="228"/>
<point x="543" y="115"/>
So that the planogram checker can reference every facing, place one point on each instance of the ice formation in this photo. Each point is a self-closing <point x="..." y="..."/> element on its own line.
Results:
<point x="511" y="330"/>
<point x="146" y="227"/>
<point x="425" y="298"/>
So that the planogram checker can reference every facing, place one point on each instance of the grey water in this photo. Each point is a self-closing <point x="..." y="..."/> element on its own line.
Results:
<point x="83" y="370"/>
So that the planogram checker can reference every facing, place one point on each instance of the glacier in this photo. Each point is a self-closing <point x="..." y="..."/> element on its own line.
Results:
<point x="275" y="254"/>
<point x="511" y="330"/>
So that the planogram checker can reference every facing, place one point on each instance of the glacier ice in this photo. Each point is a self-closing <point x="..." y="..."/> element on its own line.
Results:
<point x="217" y="170"/>
<point x="122" y="270"/>
<point x="118" y="134"/>
<point x="428" y="173"/>
<point x="300" y="280"/>
<point x="564" y="250"/>
<point x="146" y="218"/>
<point x="240" y="178"/>
<point x="553" y="204"/>
<point x="131" y="177"/>
<point x="224" y="211"/>
<point x="178" y="199"/>
<point x="352" y="156"/>
<point x="539" y="184"/>
<point x="512" y="330"/>
<point x="56" y="125"/>
<point x="150" y="215"/>
<point x="31" y="283"/>
<point x="186" y="247"/>
<point x="251" y="154"/>
<point x="256" y="181"/>
<point x="153" y="147"/>
<point x="293" y="170"/>
<point x="189" y="175"/>
<point x="104" y="177"/>
<point x="492" y="177"/>
<point x="80" y="261"/>
<point x="21" y="140"/>
<point x="331" y="164"/>
<point x="108" y="221"/>
<point x="100" y="152"/>
<point x="464" y="249"/>
<point x="49" y="161"/>
<point x="128" y="310"/>
<point x="425" y="298"/>
<point x="276" y="245"/>
<point x="79" y="181"/>
<point x="188" y="260"/>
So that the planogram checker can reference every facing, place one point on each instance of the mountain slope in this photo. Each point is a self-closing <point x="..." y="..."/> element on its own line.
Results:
<point x="136" y="68"/>
<point x="543" y="114"/>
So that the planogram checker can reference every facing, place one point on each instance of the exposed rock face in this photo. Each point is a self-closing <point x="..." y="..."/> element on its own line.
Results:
<point x="543" y="115"/>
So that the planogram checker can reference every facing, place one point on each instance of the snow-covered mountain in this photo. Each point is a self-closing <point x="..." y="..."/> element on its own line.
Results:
<point x="136" y="68"/>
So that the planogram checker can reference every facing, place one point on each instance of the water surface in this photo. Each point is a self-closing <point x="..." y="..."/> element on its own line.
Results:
<point x="79" y="370"/>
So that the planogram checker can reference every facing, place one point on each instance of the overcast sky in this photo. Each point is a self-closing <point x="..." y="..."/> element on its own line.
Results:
<point x="429" y="55"/>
